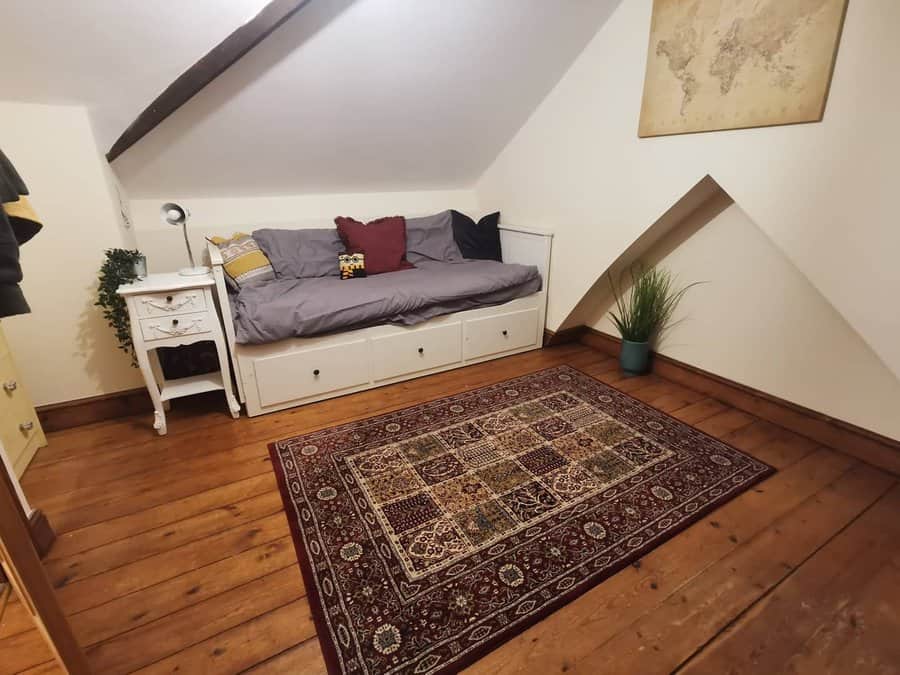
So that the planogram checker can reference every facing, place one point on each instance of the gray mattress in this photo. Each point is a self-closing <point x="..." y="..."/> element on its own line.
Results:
<point x="303" y="307"/>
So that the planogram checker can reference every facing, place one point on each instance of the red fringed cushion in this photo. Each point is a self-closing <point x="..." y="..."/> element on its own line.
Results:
<point x="383" y="241"/>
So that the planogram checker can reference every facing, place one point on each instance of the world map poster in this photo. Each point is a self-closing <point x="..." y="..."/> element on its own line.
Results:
<point x="730" y="64"/>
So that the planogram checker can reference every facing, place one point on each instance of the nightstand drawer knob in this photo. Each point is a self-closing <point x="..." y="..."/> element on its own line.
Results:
<point x="174" y="322"/>
<point x="421" y="350"/>
<point x="10" y="385"/>
<point x="316" y="372"/>
<point x="168" y="298"/>
<point x="26" y="426"/>
<point x="505" y="333"/>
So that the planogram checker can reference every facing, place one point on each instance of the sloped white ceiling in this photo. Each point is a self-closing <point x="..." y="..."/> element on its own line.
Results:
<point x="364" y="96"/>
<point x="113" y="56"/>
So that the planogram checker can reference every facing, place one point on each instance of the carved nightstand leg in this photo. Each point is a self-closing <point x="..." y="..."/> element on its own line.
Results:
<point x="225" y="367"/>
<point x="159" y="414"/>
<point x="159" y="423"/>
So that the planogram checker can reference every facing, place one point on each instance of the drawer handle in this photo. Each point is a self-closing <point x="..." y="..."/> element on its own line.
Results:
<point x="26" y="426"/>
<point x="175" y="331"/>
<point x="169" y="307"/>
<point x="421" y="350"/>
<point x="505" y="333"/>
<point x="316" y="372"/>
<point x="10" y="385"/>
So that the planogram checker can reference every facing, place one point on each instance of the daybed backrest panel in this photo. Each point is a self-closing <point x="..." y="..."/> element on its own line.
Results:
<point x="526" y="247"/>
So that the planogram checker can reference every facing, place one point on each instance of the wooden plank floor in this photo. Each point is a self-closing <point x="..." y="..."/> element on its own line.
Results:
<point x="174" y="553"/>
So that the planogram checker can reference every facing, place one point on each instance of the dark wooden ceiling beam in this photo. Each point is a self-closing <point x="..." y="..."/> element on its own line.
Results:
<point x="206" y="70"/>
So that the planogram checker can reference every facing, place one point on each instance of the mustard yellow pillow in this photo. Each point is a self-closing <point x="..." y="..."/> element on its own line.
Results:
<point x="244" y="263"/>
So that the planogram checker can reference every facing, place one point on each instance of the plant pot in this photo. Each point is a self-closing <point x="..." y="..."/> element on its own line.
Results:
<point x="635" y="357"/>
<point x="140" y="267"/>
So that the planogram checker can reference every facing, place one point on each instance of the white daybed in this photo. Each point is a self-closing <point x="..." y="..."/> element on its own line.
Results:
<point x="296" y="371"/>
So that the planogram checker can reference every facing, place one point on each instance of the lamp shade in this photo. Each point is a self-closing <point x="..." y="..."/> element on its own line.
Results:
<point x="176" y="214"/>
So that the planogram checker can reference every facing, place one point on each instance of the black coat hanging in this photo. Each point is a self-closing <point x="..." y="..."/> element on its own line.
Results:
<point x="18" y="224"/>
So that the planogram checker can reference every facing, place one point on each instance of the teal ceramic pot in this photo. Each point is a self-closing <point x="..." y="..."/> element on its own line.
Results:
<point x="635" y="357"/>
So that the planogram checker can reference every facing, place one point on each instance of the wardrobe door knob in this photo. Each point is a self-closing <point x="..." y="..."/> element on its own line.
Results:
<point x="316" y="372"/>
<point x="10" y="385"/>
<point x="421" y="350"/>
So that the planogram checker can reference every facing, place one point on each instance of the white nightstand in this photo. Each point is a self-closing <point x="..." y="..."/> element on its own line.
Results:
<point x="168" y="310"/>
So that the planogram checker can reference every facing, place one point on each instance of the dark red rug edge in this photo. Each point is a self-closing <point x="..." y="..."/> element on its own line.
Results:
<point x="318" y="614"/>
<point x="323" y="633"/>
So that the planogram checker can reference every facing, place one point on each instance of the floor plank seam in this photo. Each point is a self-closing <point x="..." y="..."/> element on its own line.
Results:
<point x="169" y="579"/>
<point x="94" y="608"/>
<point x="59" y="514"/>
<point x="52" y="558"/>
<point x="148" y="474"/>
<point x="168" y="550"/>
<point x="315" y="636"/>
<point x="737" y="617"/>
<point x="213" y="637"/>
<point x="113" y="638"/>
<point x="699" y="573"/>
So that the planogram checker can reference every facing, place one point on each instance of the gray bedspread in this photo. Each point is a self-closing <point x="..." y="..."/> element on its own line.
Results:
<point x="303" y="307"/>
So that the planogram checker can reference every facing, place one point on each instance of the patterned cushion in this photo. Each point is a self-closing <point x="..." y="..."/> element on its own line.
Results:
<point x="245" y="264"/>
<point x="352" y="265"/>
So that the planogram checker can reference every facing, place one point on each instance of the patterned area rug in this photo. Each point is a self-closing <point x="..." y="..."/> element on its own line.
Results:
<point x="430" y="535"/>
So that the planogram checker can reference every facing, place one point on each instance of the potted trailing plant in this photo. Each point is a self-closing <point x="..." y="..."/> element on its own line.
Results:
<point x="118" y="268"/>
<point x="644" y="314"/>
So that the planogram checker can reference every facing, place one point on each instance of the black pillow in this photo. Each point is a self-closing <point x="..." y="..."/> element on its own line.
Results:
<point x="478" y="241"/>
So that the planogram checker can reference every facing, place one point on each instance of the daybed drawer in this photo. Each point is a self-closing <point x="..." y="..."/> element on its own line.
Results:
<point x="163" y="304"/>
<point x="299" y="375"/>
<point x="506" y="332"/>
<point x="417" y="350"/>
<point x="175" y="326"/>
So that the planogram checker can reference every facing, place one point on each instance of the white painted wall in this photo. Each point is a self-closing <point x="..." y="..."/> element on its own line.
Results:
<point x="825" y="194"/>
<point x="355" y="96"/>
<point x="164" y="246"/>
<point x="758" y="321"/>
<point x="64" y="349"/>
<point x="113" y="57"/>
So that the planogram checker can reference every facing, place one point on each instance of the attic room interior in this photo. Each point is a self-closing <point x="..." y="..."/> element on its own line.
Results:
<point x="365" y="337"/>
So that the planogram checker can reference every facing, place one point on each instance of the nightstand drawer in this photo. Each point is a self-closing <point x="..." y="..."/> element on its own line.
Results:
<point x="162" y="328"/>
<point x="176" y="302"/>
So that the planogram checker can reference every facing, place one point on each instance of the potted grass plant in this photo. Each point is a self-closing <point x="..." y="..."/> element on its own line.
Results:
<point x="643" y="315"/>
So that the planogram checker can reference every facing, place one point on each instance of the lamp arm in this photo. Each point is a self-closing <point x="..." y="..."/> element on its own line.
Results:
<point x="188" y="244"/>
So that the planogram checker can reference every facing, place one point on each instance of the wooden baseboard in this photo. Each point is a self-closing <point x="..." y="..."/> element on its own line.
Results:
<point x="845" y="437"/>
<point x="70" y="414"/>
<point x="561" y="337"/>
<point x="42" y="534"/>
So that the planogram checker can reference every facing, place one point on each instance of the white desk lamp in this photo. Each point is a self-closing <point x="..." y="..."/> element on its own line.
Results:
<point x="175" y="214"/>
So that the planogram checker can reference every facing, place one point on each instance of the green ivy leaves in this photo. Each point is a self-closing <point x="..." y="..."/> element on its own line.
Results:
<point x="117" y="269"/>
